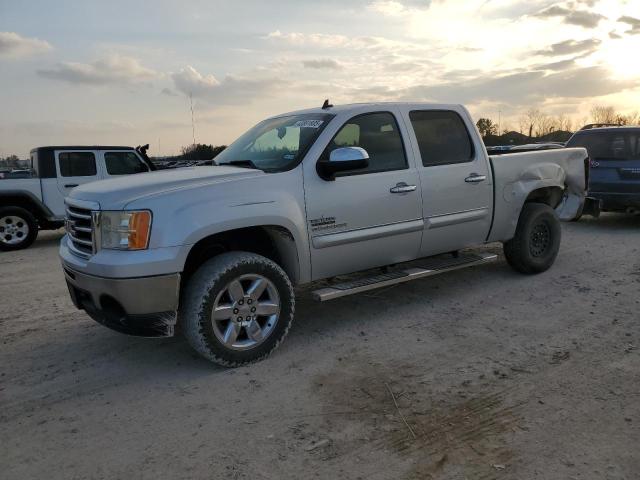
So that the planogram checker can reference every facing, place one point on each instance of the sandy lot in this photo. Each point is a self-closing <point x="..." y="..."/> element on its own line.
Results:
<point x="497" y="375"/>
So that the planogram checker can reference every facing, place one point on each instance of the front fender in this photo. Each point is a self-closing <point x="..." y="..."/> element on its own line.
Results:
<point x="183" y="217"/>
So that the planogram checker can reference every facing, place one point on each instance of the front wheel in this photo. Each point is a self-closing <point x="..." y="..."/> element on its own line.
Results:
<point x="18" y="228"/>
<point x="535" y="245"/>
<point x="237" y="308"/>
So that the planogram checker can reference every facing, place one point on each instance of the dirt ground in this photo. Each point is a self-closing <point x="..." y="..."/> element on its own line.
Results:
<point x="476" y="374"/>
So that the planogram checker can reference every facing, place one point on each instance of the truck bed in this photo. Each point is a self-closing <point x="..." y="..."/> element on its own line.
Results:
<point x="515" y="174"/>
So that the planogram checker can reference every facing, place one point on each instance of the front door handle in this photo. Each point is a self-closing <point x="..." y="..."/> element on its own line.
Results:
<point x="403" y="188"/>
<point x="475" y="178"/>
<point x="71" y="185"/>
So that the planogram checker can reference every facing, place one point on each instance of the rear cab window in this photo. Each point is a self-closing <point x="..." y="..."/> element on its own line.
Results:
<point x="124" y="163"/>
<point x="443" y="138"/>
<point x="77" y="164"/>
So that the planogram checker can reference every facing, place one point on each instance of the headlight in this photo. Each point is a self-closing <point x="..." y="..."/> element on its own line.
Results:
<point x="126" y="230"/>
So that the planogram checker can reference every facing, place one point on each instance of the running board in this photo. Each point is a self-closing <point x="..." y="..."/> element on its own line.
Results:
<point x="426" y="268"/>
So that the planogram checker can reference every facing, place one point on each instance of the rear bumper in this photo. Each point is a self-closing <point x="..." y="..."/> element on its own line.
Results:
<point x="145" y="306"/>
<point x="617" y="201"/>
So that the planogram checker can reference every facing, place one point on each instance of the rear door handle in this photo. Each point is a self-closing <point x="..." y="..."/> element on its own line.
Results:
<point x="403" y="188"/>
<point x="475" y="178"/>
<point x="71" y="185"/>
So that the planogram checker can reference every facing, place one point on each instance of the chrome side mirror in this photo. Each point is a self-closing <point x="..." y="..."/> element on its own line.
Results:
<point x="341" y="160"/>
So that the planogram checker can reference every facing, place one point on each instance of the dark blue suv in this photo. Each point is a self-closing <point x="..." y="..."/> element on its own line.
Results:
<point x="614" y="165"/>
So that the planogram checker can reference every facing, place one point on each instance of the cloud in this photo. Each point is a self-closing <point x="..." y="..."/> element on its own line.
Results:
<point x="230" y="90"/>
<point x="168" y="92"/>
<point x="634" y="22"/>
<point x="13" y="45"/>
<point x="322" y="64"/>
<point x="517" y="89"/>
<point x="389" y="7"/>
<point x="582" y="18"/>
<point x="571" y="46"/>
<point x="114" y="69"/>
<point x="556" y="66"/>
<point x="396" y="8"/>
<point x="336" y="41"/>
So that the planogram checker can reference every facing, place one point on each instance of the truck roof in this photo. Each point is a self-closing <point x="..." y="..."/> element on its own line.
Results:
<point x="609" y="128"/>
<point x="354" y="106"/>
<point x="82" y="147"/>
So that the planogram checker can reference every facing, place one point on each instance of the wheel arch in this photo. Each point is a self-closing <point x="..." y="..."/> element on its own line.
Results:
<point x="27" y="201"/>
<point x="549" y="195"/>
<point x="271" y="241"/>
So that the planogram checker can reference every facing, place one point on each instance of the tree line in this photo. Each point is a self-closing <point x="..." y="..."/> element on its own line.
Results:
<point x="535" y="124"/>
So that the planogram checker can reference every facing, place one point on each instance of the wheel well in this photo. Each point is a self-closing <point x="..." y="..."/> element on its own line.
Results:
<point x="273" y="242"/>
<point x="25" y="202"/>
<point x="548" y="195"/>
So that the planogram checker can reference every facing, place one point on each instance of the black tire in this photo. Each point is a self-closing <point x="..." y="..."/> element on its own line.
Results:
<point x="18" y="228"/>
<point x="535" y="245"/>
<point x="213" y="280"/>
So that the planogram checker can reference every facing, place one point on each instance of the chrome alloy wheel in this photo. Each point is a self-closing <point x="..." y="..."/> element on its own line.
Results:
<point x="245" y="312"/>
<point x="13" y="230"/>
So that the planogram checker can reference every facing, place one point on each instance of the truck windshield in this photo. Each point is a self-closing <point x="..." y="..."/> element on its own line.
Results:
<point x="276" y="144"/>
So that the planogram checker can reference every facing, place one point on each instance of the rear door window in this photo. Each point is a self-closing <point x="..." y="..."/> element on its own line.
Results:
<point x="123" y="163"/>
<point x="77" y="164"/>
<point x="442" y="137"/>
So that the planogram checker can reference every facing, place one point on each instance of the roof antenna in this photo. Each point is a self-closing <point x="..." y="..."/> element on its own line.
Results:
<point x="326" y="104"/>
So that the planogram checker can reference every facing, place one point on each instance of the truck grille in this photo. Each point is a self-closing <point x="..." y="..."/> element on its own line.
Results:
<point x="79" y="226"/>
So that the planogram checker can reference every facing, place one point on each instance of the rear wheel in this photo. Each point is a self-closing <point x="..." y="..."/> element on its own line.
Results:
<point x="18" y="228"/>
<point x="237" y="308"/>
<point x="535" y="245"/>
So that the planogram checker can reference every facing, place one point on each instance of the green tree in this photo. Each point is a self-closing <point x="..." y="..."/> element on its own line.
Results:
<point x="201" y="151"/>
<point x="487" y="127"/>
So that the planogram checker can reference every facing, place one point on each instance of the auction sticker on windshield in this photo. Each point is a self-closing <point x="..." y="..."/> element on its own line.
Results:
<point x="308" y="123"/>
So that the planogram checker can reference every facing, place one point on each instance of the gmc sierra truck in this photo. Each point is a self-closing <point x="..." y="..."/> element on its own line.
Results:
<point x="35" y="200"/>
<point x="215" y="252"/>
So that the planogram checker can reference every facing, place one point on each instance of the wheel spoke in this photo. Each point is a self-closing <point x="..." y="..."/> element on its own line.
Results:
<point x="267" y="308"/>
<point x="236" y="291"/>
<point x="256" y="289"/>
<point x="254" y="331"/>
<point x="223" y="312"/>
<point x="231" y="333"/>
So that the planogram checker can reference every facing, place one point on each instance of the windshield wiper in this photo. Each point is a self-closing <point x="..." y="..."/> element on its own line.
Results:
<point x="241" y="164"/>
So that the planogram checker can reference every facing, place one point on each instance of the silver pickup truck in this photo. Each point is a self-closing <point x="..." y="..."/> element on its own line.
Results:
<point x="215" y="252"/>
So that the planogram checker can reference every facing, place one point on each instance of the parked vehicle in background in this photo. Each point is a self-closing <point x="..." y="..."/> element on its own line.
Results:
<point x="21" y="173"/>
<point x="301" y="197"/>
<point x="32" y="200"/>
<point x="614" y="165"/>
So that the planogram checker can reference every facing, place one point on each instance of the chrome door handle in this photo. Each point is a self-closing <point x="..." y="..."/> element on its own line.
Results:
<point x="402" y="188"/>
<point x="71" y="185"/>
<point x="475" y="178"/>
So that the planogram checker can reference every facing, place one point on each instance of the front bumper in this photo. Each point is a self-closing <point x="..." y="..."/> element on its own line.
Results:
<point x="143" y="306"/>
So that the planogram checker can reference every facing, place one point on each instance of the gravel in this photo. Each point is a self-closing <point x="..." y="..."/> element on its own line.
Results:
<point x="498" y="375"/>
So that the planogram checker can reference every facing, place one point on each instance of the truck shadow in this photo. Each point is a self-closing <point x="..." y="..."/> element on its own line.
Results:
<point x="622" y="222"/>
<point x="47" y="238"/>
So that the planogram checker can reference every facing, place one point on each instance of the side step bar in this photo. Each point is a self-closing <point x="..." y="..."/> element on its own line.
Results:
<point x="426" y="268"/>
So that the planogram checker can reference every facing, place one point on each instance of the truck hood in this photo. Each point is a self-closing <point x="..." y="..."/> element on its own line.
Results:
<point x="115" y="193"/>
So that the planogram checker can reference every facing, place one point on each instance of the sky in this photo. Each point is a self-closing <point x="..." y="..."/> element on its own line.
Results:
<point x="123" y="72"/>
